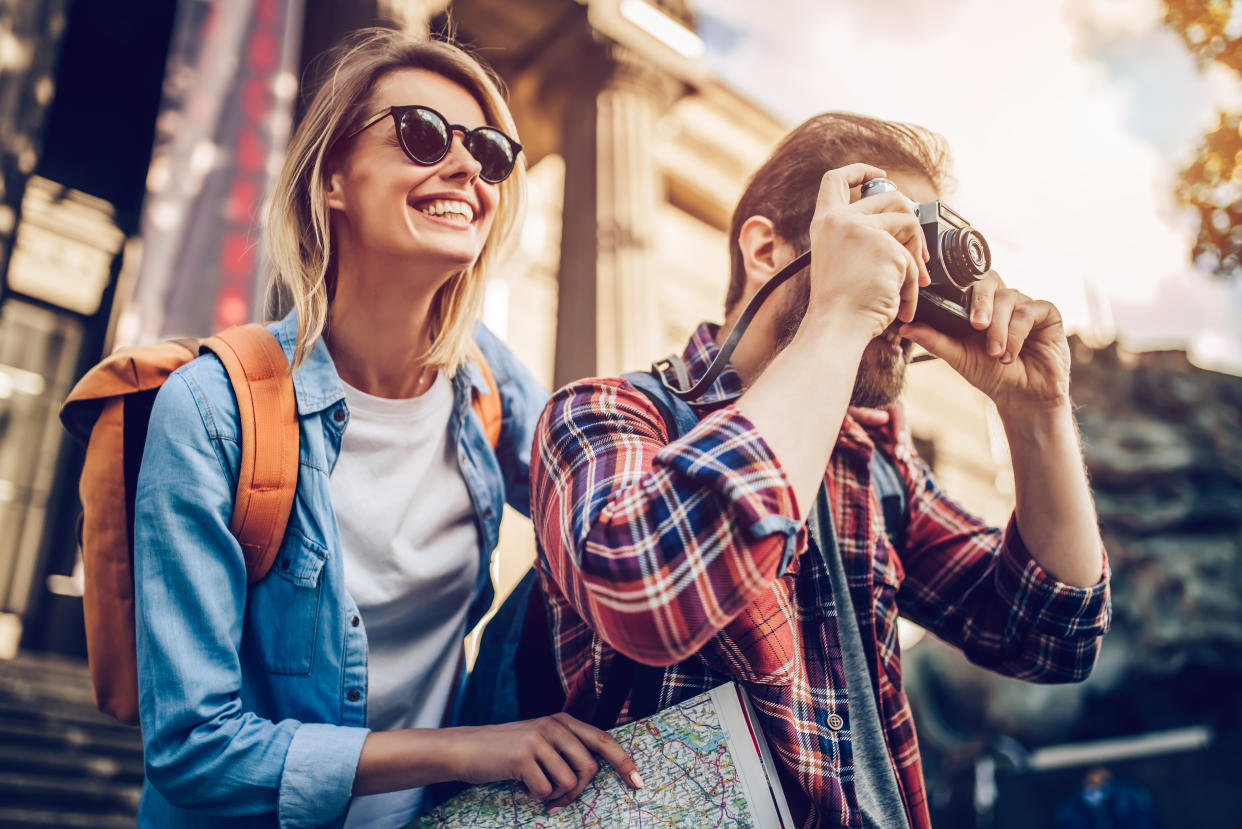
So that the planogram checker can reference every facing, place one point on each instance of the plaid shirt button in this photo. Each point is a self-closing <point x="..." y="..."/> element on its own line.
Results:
<point x="835" y="722"/>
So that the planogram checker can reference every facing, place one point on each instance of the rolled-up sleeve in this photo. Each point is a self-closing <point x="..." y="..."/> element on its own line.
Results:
<point x="978" y="588"/>
<point x="310" y="789"/>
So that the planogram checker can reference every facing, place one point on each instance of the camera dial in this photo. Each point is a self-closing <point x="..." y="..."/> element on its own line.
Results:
<point x="876" y="185"/>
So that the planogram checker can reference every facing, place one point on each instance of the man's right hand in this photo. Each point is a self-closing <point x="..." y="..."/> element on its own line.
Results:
<point x="868" y="257"/>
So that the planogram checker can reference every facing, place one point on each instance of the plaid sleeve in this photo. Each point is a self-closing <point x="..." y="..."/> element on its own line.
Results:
<point x="980" y="589"/>
<point x="657" y="545"/>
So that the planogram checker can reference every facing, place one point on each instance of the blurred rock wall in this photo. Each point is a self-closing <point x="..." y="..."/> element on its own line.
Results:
<point x="1163" y="445"/>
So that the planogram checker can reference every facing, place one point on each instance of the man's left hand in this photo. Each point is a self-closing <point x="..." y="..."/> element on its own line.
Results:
<point x="1021" y="360"/>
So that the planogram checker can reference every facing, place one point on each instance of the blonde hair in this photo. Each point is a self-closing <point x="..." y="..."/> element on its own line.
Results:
<point x="298" y="233"/>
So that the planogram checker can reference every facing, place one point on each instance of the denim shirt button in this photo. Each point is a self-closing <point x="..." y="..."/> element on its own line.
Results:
<point x="339" y="415"/>
<point x="355" y="621"/>
<point x="487" y="513"/>
<point x="353" y="695"/>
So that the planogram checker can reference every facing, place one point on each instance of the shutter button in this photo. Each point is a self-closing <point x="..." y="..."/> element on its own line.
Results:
<point x="353" y="695"/>
<point x="835" y="722"/>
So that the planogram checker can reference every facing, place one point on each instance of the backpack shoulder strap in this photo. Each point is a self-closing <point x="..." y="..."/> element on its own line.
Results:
<point x="641" y="684"/>
<point x="890" y="487"/>
<point x="678" y="417"/>
<point x="268" y="476"/>
<point x="488" y="406"/>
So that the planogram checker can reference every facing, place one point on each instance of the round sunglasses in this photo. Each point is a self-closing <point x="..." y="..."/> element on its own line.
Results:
<point x="425" y="135"/>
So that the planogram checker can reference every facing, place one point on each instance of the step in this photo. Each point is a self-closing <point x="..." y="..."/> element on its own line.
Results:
<point x="15" y="735"/>
<point x="12" y="710"/>
<point x="71" y="764"/>
<point x="77" y="794"/>
<point x="21" y="817"/>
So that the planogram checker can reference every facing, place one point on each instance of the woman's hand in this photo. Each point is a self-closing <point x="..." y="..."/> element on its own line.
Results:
<point x="552" y="757"/>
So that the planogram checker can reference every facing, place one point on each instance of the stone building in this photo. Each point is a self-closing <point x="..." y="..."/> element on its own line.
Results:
<point x="637" y="155"/>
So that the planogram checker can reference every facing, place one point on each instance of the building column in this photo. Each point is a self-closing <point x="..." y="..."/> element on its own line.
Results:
<point x="605" y="314"/>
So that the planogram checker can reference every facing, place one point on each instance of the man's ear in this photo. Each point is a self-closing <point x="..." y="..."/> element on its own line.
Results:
<point x="764" y="252"/>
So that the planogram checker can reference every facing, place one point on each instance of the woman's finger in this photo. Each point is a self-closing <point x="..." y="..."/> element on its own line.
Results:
<point x="607" y="747"/>
<point x="533" y="779"/>
<point x="562" y="778"/>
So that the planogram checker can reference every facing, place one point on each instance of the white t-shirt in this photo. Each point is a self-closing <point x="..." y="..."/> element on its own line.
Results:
<point x="411" y="557"/>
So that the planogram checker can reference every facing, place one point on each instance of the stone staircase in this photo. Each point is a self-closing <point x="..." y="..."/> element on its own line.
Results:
<point x="62" y="763"/>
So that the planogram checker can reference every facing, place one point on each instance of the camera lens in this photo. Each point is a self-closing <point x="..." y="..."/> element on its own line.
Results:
<point x="965" y="255"/>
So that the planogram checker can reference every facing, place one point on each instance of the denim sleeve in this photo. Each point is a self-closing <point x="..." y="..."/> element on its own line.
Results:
<point x="523" y="398"/>
<point x="203" y="750"/>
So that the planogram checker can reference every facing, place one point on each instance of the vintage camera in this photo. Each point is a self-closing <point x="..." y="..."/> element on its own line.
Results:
<point x="959" y="258"/>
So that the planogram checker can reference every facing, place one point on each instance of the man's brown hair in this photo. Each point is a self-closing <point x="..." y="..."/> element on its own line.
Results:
<point x="785" y="188"/>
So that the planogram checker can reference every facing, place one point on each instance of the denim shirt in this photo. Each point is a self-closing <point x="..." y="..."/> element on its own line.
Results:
<point x="253" y="699"/>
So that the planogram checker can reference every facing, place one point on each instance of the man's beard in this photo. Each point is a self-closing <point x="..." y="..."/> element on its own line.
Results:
<point x="881" y="373"/>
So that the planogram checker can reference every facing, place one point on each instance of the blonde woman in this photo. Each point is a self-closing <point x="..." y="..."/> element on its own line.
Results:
<point x="314" y="696"/>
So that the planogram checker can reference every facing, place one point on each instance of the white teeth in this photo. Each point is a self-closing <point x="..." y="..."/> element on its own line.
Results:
<point x="449" y="207"/>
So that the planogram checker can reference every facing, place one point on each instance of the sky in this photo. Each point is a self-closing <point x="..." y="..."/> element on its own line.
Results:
<point x="1068" y="121"/>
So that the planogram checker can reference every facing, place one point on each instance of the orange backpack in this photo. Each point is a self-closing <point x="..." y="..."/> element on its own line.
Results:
<point x="108" y="410"/>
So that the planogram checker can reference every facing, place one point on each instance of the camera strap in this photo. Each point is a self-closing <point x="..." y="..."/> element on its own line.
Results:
<point x="673" y="362"/>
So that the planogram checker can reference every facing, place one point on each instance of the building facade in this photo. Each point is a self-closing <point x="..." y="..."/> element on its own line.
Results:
<point x="636" y="155"/>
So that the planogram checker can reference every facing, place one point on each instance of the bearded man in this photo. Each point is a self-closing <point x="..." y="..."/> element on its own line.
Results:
<point x="754" y="546"/>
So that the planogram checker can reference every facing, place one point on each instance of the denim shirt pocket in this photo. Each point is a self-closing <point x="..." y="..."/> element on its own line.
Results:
<point x="282" y="611"/>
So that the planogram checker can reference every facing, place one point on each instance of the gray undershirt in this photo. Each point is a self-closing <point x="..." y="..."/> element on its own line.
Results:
<point x="875" y="783"/>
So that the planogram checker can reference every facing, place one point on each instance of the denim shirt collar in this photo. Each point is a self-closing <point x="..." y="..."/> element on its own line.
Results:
<point x="317" y="385"/>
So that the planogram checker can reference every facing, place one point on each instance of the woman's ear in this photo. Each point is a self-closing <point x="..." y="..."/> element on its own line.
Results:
<point x="764" y="252"/>
<point x="335" y="191"/>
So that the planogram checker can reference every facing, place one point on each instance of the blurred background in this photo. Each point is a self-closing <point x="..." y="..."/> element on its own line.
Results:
<point x="1097" y="146"/>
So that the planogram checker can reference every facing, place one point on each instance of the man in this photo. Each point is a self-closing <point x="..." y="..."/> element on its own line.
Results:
<point x="694" y="554"/>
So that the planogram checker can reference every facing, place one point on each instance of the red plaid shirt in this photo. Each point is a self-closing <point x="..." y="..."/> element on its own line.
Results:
<point x="692" y="554"/>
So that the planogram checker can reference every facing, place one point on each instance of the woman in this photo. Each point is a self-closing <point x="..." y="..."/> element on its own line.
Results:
<point x="313" y="696"/>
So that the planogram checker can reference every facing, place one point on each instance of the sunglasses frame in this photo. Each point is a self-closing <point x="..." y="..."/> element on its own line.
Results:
<point x="397" y="112"/>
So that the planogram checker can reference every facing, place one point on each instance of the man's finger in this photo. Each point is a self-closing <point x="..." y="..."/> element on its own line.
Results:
<point x="941" y="345"/>
<point x="834" y="187"/>
<point x="998" y="328"/>
<point x="1025" y="317"/>
<point x="981" y="295"/>
<point x="909" y="297"/>
<point x="904" y="227"/>
<point x="869" y="417"/>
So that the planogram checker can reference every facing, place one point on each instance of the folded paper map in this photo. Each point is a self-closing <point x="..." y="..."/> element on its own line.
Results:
<point x="705" y="764"/>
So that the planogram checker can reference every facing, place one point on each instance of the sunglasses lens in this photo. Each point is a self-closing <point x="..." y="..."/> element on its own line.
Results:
<point x="494" y="152"/>
<point x="425" y="135"/>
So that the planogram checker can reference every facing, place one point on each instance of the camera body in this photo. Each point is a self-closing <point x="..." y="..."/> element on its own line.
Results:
<point x="960" y="257"/>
